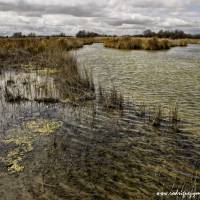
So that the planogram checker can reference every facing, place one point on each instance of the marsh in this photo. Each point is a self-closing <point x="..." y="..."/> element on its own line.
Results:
<point x="60" y="140"/>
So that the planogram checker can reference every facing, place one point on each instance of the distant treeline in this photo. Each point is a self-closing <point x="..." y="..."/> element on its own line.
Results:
<point x="83" y="33"/>
<point x="175" y="34"/>
<point x="80" y="34"/>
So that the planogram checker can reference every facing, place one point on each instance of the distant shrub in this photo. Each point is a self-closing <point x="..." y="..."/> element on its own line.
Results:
<point x="31" y="35"/>
<point x="17" y="35"/>
<point x="84" y="33"/>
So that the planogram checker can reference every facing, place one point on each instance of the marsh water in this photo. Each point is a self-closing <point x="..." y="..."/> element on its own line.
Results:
<point x="152" y="77"/>
<point x="56" y="150"/>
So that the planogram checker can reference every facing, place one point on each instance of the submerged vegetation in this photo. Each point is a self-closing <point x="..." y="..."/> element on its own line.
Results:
<point x="23" y="140"/>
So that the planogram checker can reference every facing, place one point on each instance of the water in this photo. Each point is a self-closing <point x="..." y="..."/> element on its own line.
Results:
<point x="157" y="77"/>
<point x="54" y="151"/>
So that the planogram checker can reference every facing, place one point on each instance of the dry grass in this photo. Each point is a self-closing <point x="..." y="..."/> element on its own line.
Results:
<point x="141" y="112"/>
<point x="174" y="116"/>
<point x="49" y="53"/>
<point x="193" y="41"/>
<point x="157" y="116"/>
<point x="21" y="48"/>
<point x="111" y="99"/>
<point x="179" y="42"/>
<point x="76" y="84"/>
<point x="142" y="43"/>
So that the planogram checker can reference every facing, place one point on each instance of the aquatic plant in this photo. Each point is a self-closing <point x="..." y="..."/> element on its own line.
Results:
<point x="42" y="126"/>
<point x="23" y="139"/>
<point x="13" y="96"/>
<point x="111" y="99"/>
<point x="157" y="116"/>
<point x="142" y="110"/>
<point x="77" y="84"/>
<point x="174" y="117"/>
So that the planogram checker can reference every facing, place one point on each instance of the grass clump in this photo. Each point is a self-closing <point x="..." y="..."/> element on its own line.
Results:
<point x="142" y="43"/>
<point x="20" y="50"/>
<point x="141" y="112"/>
<point x="155" y="44"/>
<point x="123" y="43"/>
<point x="111" y="99"/>
<point x="157" y="116"/>
<point x="174" y="117"/>
<point x="77" y="84"/>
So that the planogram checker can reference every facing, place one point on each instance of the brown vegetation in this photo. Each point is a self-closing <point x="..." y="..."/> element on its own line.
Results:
<point x="76" y="85"/>
<point x="21" y="49"/>
<point x="142" y="43"/>
<point x="111" y="99"/>
<point x="48" y="53"/>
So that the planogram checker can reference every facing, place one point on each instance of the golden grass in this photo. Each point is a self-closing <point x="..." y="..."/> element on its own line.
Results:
<point x="10" y="47"/>
<point x="77" y="83"/>
<point x="193" y="41"/>
<point x="49" y="53"/>
<point x="142" y="43"/>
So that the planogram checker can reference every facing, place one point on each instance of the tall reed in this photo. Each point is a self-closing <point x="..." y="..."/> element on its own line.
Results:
<point x="111" y="99"/>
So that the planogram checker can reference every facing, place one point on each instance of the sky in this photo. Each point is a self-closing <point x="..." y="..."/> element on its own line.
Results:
<point x="119" y="17"/>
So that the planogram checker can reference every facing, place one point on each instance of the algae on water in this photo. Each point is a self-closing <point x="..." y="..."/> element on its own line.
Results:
<point x="22" y="140"/>
<point x="44" y="127"/>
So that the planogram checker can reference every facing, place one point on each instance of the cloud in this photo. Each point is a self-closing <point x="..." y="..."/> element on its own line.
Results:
<point x="25" y="8"/>
<point x="105" y="16"/>
<point x="136" y="19"/>
<point x="175" y="22"/>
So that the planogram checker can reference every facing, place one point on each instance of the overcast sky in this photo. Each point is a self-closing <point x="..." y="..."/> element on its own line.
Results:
<point x="103" y="16"/>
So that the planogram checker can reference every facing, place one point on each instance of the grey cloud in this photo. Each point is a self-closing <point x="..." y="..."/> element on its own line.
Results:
<point x="23" y="8"/>
<point x="137" y="20"/>
<point x="105" y="16"/>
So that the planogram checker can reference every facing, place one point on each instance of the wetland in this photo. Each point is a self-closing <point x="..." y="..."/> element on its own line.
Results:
<point x="89" y="122"/>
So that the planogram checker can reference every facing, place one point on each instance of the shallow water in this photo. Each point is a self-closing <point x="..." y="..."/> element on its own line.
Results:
<point x="157" y="77"/>
<point x="58" y="151"/>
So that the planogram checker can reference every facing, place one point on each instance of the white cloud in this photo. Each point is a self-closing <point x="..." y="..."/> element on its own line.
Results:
<point x="175" y="22"/>
<point x="109" y="16"/>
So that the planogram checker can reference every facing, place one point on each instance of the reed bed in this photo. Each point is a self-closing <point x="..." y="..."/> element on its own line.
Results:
<point x="75" y="84"/>
<point x="70" y="82"/>
<point x="47" y="54"/>
<point x="21" y="48"/>
<point x="193" y="41"/>
<point x="142" y="43"/>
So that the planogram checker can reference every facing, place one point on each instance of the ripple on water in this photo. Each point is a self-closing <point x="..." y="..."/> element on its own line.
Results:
<point x="162" y="77"/>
